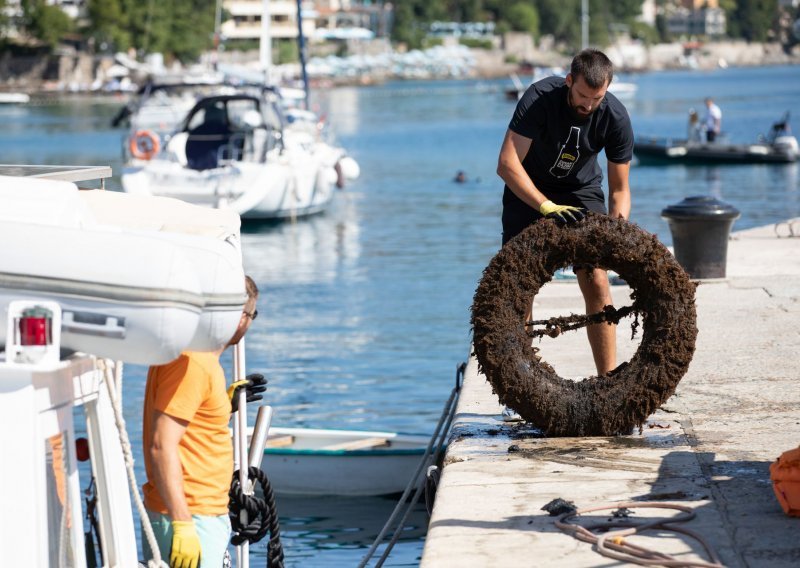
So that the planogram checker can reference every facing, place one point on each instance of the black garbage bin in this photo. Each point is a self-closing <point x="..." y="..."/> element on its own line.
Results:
<point x="700" y="226"/>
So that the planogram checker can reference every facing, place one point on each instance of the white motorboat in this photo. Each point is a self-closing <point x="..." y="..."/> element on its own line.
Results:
<point x="14" y="98"/>
<point x="148" y="296"/>
<point x="233" y="152"/>
<point x="780" y="146"/>
<point x="621" y="89"/>
<point x="189" y="297"/>
<point x="307" y="461"/>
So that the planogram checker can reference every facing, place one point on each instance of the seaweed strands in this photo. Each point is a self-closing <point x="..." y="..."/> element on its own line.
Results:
<point x="620" y="400"/>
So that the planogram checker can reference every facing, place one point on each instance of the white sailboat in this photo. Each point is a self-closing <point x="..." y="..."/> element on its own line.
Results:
<point x="232" y="152"/>
<point x="237" y="150"/>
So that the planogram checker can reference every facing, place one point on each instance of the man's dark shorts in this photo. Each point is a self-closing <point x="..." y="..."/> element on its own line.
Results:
<point x="518" y="216"/>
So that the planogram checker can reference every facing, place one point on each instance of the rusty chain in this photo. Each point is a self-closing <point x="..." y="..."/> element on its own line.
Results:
<point x="555" y="326"/>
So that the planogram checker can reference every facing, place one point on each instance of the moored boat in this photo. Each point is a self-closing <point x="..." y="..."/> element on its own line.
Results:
<point x="61" y="260"/>
<point x="189" y="296"/>
<point x="307" y="461"/>
<point x="233" y="152"/>
<point x="778" y="147"/>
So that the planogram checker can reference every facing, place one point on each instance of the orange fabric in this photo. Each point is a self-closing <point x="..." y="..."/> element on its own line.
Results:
<point x="192" y="388"/>
<point x="785" y="475"/>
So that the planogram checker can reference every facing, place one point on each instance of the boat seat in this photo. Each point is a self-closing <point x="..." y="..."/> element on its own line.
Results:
<point x="280" y="441"/>
<point x="362" y="444"/>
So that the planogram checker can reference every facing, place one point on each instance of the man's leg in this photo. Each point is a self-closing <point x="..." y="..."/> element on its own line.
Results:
<point x="215" y="534"/>
<point x="602" y="336"/>
<point x="162" y="529"/>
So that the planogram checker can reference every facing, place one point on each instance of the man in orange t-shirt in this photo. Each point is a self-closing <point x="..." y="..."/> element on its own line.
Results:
<point x="188" y="452"/>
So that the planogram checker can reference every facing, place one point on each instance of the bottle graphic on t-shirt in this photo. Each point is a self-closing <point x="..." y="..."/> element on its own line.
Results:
<point x="568" y="155"/>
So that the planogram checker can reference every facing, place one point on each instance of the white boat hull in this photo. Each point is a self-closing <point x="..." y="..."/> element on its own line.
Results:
<point x="319" y="463"/>
<point x="136" y="295"/>
<point x="275" y="190"/>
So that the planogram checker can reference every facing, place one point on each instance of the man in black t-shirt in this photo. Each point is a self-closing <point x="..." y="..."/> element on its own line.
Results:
<point x="548" y="162"/>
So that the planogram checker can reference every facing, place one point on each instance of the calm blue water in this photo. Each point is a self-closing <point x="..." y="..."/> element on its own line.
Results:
<point x="365" y="310"/>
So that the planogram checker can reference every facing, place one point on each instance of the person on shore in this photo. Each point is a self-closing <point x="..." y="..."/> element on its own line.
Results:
<point x="188" y="452"/>
<point x="548" y="161"/>
<point x="712" y="122"/>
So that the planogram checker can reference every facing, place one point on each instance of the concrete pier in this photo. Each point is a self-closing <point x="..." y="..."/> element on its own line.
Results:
<point x="709" y="447"/>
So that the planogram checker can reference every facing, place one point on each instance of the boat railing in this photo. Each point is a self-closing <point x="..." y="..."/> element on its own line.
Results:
<point x="249" y="145"/>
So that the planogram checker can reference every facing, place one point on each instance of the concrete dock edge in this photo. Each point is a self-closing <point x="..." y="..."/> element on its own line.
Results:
<point x="709" y="447"/>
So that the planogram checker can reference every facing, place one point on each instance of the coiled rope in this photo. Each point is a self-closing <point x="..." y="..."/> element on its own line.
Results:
<point x="112" y="375"/>
<point x="431" y="456"/>
<point x="261" y="515"/>
<point x="612" y="543"/>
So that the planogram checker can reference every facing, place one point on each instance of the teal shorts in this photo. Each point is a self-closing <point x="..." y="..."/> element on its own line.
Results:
<point x="214" y="533"/>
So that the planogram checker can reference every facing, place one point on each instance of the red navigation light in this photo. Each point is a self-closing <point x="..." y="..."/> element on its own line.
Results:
<point x="82" y="449"/>
<point x="36" y="327"/>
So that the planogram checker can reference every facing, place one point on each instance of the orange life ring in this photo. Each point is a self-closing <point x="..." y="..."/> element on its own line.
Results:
<point x="144" y="144"/>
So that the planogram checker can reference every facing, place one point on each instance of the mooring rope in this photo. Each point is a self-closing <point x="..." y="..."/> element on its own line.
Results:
<point x="430" y="455"/>
<point x="613" y="544"/>
<point x="262" y="516"/>
<point x="112" y="375"/>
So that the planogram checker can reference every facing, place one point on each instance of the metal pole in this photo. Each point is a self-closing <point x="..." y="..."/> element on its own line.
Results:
<point x="240" y="441"/>
<point x="301" y="45"/>
<point x="265" y="45"/>
<point x="584" y="24"/>
<point x="217" y="26"/>
<point x="258" y="440"/>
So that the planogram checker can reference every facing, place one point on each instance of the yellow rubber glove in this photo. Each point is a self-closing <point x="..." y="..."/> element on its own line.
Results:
<point x="563" y="214"/>
<point x="254" y="384"/>
<point x="185" y="545"/>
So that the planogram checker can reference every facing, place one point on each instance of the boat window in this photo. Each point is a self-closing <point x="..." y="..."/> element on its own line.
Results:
<point x="59" y="520"/>
<point x="243" y="114"/>
<point x="213" y="114"/>
<point x="272" y="116"/>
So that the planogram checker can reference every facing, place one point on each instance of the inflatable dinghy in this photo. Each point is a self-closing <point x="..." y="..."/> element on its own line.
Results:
<point x="139" y="279"/>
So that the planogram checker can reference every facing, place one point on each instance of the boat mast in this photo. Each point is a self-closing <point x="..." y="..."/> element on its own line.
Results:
<point x="217" y="26"/>
<point x="584" y="24"/>
<point x="265" y="44"/>
<point x="301" y="46"/>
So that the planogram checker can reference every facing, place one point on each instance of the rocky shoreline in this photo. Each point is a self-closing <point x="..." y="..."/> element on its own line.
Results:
<point x="46" y="76"/>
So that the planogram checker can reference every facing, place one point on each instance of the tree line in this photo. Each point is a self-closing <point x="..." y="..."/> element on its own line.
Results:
<point x="179" y="28"/>
<point x="184" y="28"/>
<point x="752" y="20"/>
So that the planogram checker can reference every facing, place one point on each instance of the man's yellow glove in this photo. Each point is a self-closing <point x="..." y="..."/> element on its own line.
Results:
<point x="185" y="545"/>
<point x="563" y="214"/>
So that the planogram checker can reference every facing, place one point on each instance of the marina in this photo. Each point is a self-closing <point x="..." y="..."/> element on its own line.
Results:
<point x="366" y="306"/>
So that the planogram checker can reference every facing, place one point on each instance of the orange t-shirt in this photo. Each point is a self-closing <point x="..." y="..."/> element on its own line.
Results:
<point x="192" y="388"/>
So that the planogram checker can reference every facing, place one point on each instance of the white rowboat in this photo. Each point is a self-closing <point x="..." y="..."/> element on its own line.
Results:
<point x="308" y="461"/>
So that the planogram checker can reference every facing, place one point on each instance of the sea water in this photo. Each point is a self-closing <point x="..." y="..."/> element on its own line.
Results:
<point x="364" y="312"/>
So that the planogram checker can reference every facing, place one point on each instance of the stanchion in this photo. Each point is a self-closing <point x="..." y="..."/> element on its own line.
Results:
<point x="240" y="445"/>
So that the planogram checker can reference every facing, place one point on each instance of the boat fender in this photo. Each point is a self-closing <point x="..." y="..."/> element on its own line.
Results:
<point x="144" y="144"/>
<point x="339" y="175"/>
<point x="349" y="167"/>
<point x="785" y="475"/>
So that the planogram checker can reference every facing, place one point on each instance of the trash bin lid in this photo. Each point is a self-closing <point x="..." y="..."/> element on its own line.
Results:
<point x="701" y="207"/>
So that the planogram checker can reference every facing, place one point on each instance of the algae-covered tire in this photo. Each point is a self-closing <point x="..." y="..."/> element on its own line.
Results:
<point x="597" y="406"/>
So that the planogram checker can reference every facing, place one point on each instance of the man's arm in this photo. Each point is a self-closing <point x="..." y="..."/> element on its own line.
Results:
<point x="619" y="190"/>
<point x="167" y="471"/>
<point x="509" y="167"/>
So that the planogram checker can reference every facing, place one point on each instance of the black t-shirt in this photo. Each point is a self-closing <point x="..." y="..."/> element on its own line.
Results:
<point x="562" y="161"/>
